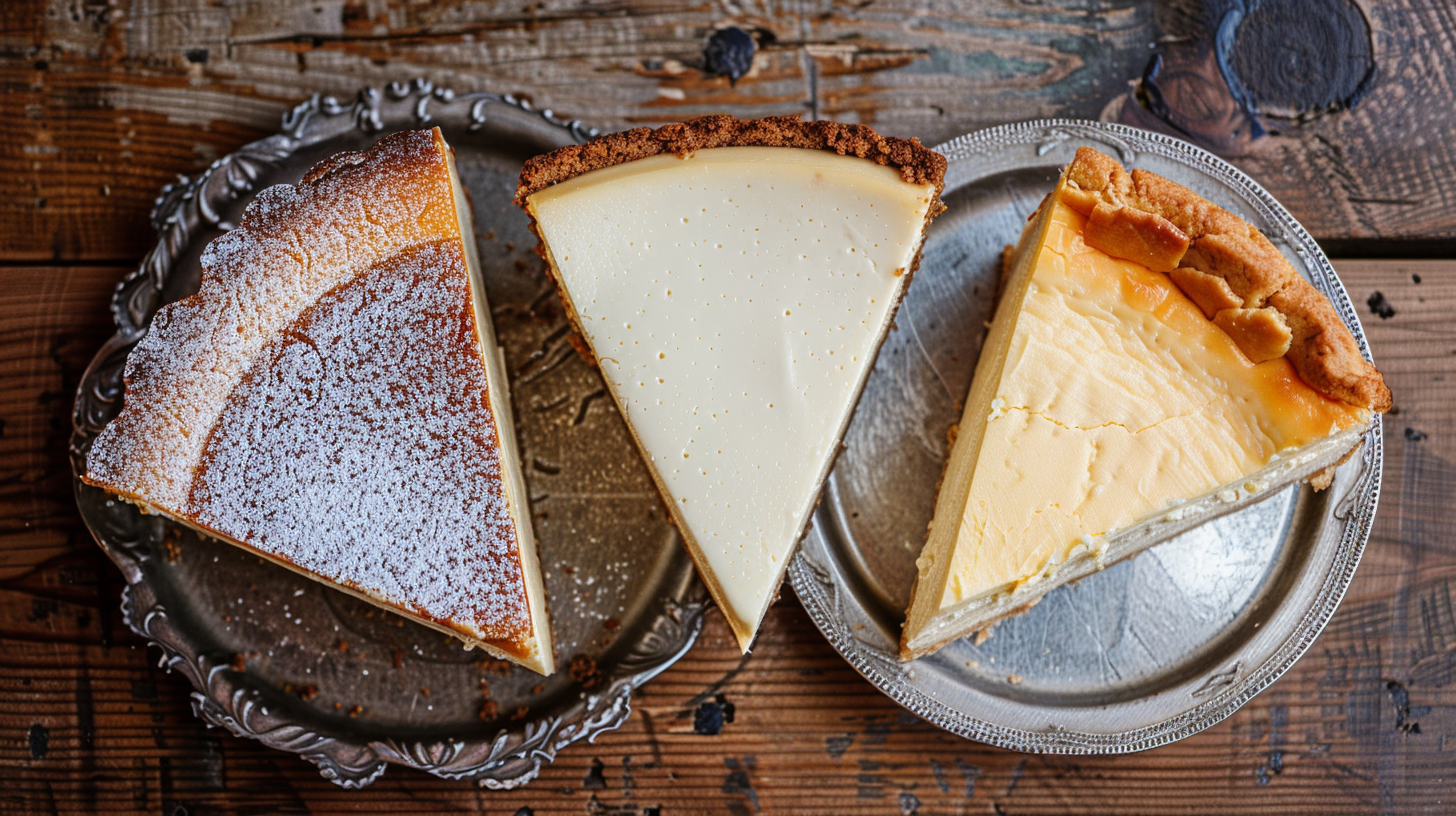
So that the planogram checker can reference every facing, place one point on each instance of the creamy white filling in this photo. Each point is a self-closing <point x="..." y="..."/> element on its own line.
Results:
<point x="735" y="299"/>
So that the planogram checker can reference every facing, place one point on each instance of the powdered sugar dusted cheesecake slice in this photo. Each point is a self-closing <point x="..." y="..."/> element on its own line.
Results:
<point x="333" y="399"/>
<point x="734" y="280"/>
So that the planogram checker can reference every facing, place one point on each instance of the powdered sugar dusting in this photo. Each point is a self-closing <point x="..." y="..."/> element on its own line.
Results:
<point x="321" y="398"/>
<point x="292" y="245"/>
<point x="362" y="448"/>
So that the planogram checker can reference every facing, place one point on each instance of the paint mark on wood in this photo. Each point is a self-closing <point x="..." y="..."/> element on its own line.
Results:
<point x="970" y="773"/>
<point x="909" y="803"/>
<point x="729" y="53"/>
<point x="39" y="740"/>
<point x="739" y="783"/>
<point x="1404" y="723"/>
<point x="1016" y="774"/>
<point x="838" y="745"/>
<point x="1273" y="764"/>
<point x="1413" y="435"/>
<point x="594" y="779"/>
<point x="1380" y="306"/>
<point x="937" y="771"/>
<point x="710" y="716"/>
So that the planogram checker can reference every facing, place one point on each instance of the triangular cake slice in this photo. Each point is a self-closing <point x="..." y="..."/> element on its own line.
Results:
<point x="734" y="279"/>
<point x="333" y="399"/>
<point x="1153" y="359"/>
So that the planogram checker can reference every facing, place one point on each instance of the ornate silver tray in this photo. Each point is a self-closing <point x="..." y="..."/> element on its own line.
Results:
<point x="302" y="668"/>
<point x="1152" y="649"/>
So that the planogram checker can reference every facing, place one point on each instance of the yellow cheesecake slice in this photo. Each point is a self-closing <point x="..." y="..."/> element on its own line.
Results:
<point x="734" y="280"/>
<point x="1153" y="359"/>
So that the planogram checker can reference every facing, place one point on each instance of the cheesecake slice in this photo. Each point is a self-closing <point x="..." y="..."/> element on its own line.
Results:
<point x="333" y="399"/>
<point x="734" y="280"/>
<point x="1152" y="360"/>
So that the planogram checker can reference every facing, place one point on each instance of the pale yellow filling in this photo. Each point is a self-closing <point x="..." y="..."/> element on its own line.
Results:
<point x="1117" y="398"/>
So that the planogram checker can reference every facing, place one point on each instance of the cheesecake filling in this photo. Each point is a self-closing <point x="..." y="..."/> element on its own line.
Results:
<point x="1117" y="401"/>
<point x="735" y="298"/>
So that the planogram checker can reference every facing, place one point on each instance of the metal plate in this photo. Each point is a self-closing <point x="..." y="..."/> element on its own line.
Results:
<point x="1150" y="650"/>
<point x="282" y="659"/>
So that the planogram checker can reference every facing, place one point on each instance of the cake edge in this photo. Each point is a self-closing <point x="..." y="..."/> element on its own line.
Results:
<point x="531" y="658"/>
<point x="917" y="164"/>
<point x="498" y="397"/>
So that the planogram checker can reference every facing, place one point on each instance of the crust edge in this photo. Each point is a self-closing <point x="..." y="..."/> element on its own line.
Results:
<point x="917" y="164"/>
<point x="1221" y="244"/>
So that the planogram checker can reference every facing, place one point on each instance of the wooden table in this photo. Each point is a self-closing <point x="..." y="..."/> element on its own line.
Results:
<point x="1346" y="112"/>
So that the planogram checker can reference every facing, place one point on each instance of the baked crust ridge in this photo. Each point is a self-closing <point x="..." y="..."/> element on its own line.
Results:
<point x="917" y="164"/>
<point x="1229" y="268"/>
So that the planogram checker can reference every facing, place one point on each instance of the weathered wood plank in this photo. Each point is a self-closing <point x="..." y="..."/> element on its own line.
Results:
<point x="106" y="103"/>
<point x="88" y="723"/>
<point x="53" y="321"/>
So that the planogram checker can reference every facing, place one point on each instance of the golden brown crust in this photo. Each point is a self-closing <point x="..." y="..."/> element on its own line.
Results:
<point x="917" y="164"/>
<point x="1261" y="334"/>
<point x="1144" y="217"/>
<point x="1211" y="293"/>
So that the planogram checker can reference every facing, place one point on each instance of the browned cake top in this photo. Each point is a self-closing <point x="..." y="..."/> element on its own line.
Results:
<point x="1227" y="267"/>
<point x="322" y="398"/>
<point x="916" y="163"/>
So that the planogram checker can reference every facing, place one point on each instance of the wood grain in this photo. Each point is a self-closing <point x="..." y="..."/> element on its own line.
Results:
<point x="105" y="102"/>
<point x="88" y="724"/>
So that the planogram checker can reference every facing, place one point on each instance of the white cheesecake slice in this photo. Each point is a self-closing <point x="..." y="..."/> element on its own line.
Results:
<point x="734" y="281"/>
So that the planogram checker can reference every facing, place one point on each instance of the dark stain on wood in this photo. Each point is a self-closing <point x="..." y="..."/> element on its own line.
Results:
<point x="38" y="738"/>
<point x="836" y="746"/>
<point x="738" y="782"/>
<point x="909" y="803"/>
<point x="1379" y="306"/>
<point x="970" y="773"/>
<point x="1400" y="698"/>
<point x="1272" y="766"/>
<point x="729" y="53"/>
<point x="710" y="715"/>
<point x="1295" y="59"/>
<point x="594" y="780"/>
